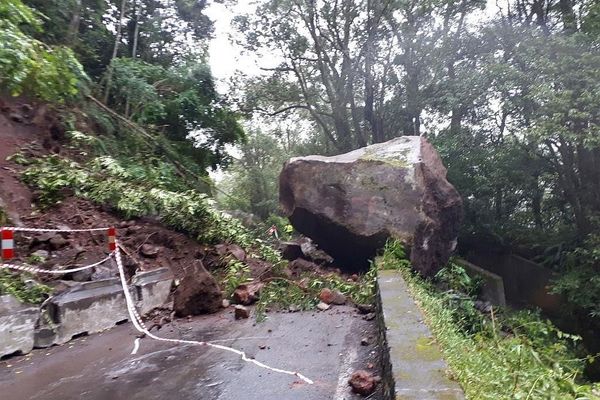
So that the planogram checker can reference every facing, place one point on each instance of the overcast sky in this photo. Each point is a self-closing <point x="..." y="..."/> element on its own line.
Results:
<point x="225" y="56"/>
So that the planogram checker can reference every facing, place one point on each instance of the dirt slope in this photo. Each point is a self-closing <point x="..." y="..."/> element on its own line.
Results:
<point x="34" y="130"/>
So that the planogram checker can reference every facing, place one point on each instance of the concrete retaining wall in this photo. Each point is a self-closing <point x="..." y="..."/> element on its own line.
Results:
<point x="492" y="289"/>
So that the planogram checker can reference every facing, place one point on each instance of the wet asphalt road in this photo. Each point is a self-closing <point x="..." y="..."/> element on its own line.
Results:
<point x="324" y="346"/>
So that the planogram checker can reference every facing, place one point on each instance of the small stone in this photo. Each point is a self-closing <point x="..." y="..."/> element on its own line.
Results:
<point x="237" y="252"/>
<point x="369" y="317"/>
<point x="329" y="296"/>
<point x="323" y="306"/>
<point x="370" y="366"/>
<point x="241" y="312"/>
<point x="338" y="298"/>
<point x="149" y="251"/>
<point x="326" y="295"/>
<point x="365" y="308"/>
<point x="83" y="275"/>
<point x="363" y="382"/>
<point x="262" y="346"/>
<point x="241" y="295"/>
<point x="226" y="303"/>
<point x="247" y="294"/>
<point x="354" y="277"/>
<point x="57" y="242"/>
<point x="364" y="342"/>
<point x="294" y="308"/>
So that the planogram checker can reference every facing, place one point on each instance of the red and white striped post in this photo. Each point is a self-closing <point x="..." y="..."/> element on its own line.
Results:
<point x="8" y="244"/>
<point x="112" y="238"/>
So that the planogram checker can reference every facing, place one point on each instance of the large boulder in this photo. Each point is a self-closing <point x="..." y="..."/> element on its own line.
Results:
<point x="351" y="204"/>
<point x="197" y="293"/>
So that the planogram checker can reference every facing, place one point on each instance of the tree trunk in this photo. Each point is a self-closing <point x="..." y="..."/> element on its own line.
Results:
<point x="109" y="73"/>
<point x="73" y="31"/>
<point x="568" y="16"/>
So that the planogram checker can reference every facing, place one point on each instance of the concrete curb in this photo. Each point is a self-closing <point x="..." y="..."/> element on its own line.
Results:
<point x="413" y="367"/>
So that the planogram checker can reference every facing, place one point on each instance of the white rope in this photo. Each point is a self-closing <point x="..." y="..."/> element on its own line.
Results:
<point x="19" y="229"/>
<point x="139" y="325"/>
<point x="28" y="268"/>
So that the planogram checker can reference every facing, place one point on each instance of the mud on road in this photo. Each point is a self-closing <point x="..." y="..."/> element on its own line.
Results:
<point x="324" y="346"/>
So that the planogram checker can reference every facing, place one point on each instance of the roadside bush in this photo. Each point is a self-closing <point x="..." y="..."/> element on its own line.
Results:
<point x="507" y="355"/>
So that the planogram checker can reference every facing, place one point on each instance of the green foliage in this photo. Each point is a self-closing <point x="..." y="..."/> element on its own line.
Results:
<point x="23" y="288"/>
<point x="580" y="278"/>
<point x="237" y="273"/>
<point x="182" y="100"/>
<point x="252" y="183"/>
<point x="28" y="65"/>
<point x="137" y="190"/>
<point x="283" y="294"/>
<point x="508" y="355"/>
<point x="456" y="278"/>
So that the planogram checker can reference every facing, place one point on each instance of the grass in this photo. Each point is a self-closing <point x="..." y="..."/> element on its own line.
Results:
<point x="25" y="289"/>
<point x="303" y="294"/>
<point x="507" y="355"/>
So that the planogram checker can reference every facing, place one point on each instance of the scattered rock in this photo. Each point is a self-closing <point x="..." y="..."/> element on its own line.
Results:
<point x="369" y="316"/>
<point x="326" y="295"/>
<point x="338" y="298"/>
<point x="290" y="250"/>
<point x="365" y="341"/>
<point x="247" y="294"/>
<point x="237" y="252"/>
<point x="224" y="250"/>
<point x="197" y="293"/>
<point x="57" y="242"/>
<point x="299" y="266"/>
<point x="241" y="295"/>
<point x="312" y="252"/>
<point x="363" y="382"/>
<point x="262" y="346"/>
<point x="294" y="308"/>
<point x="83" y="275"/>
<point x="323" y="306"/>
<point x="329" y="296"/>
<point x="226" y="303"/>
<point x="351" y="204"/>
<point x="149" y="251"/>
<point x="365" y="308"/>
<point x="102" y="272"/>
<point x="241" y="312"/>
<point x="370" y="366"/>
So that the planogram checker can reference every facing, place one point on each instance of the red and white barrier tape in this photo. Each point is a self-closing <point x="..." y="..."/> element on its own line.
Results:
<point x="139" y="325"/>
<point x="20" y="229"/>
<point x="28" y="268"/>
<point x="7" y="233"/>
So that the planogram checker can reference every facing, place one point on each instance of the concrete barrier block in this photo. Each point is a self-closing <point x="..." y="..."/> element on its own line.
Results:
<point x="17" y="326"/>
<point x="88" y="308"/>
<point x="492" y="289"/>
<point x="153" y="289"/>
